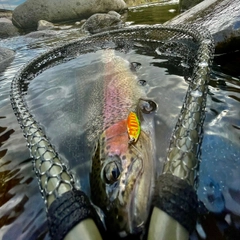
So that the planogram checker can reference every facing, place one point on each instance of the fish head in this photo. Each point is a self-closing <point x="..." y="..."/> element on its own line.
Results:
<point x="122" y="179"/>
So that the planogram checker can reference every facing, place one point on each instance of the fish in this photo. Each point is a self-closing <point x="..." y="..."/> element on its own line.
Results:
<point x="122" y="175"/>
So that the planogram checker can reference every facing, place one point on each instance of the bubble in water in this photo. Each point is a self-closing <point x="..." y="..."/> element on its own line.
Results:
<point x="135" y="66"/>
<point x="142" y="82"/>
<point x="211" y="195"/>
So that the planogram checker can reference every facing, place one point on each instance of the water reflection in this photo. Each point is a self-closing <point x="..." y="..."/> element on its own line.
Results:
<point x="219" y="178"/>
<point x="158" y="12"/>
<point x="22" y="211"/>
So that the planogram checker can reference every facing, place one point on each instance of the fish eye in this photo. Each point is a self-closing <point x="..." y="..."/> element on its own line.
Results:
<point x="111" y="173"/>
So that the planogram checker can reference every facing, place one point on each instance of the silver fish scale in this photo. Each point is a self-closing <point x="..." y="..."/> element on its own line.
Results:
<point x="184" y="151"/>
<point x="113" y="96"/>
<point x="121" y="92"/>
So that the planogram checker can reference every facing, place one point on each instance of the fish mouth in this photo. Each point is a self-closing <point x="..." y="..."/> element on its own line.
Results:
<point x="139" y="206"/>
<point x="139" y="200"/>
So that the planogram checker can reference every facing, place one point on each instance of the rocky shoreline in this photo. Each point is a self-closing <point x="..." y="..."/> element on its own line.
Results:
<point x="220" y="17"/>
<point x="5" y="13"/>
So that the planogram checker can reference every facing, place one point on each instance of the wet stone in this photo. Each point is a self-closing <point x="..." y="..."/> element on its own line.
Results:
<point x="27" y="14"/>
<point x="7" y="29"/>
<point x="6" y="57"/>
<point x="101" y="22"/>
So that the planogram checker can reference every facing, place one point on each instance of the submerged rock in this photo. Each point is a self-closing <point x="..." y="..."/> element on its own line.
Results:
<point x="101" y="22"/>
<point x="7" y="29"/>
<point x="114" y="14"/>
<point x="42" y="34"/>
<point x="220" y="17"/>
<point x="30" y="12"/>
<point x="6" y="57"/>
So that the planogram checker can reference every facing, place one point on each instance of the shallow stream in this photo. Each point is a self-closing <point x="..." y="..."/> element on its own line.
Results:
<point x="51" y="98"/>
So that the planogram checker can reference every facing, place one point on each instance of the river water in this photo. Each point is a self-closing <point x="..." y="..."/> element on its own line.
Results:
<point x="22" y="211"/>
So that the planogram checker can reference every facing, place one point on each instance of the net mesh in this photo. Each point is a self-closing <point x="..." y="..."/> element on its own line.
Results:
<point x="186" y="45"/>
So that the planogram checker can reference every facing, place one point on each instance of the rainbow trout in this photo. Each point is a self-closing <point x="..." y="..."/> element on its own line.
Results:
<point x="122" y="173"/>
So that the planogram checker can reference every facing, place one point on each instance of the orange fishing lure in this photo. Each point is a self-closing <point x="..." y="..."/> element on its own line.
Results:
<point x="133" y="127"/>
